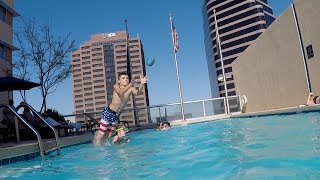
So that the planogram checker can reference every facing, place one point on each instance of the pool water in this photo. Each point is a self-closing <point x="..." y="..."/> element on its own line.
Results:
<point x="279" y="146"/>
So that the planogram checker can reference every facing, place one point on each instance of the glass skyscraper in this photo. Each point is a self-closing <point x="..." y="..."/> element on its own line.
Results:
<point x="239" y="23"/>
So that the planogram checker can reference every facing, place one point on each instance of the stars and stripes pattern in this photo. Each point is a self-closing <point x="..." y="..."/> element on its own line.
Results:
<point x="109" y="121"/>
<point x="174" y="36"/>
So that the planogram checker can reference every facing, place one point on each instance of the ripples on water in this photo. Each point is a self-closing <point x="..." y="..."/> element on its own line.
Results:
<point x="286" y="146"/>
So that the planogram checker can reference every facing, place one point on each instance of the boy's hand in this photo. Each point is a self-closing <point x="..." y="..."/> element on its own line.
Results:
<point x="143" y="80"/>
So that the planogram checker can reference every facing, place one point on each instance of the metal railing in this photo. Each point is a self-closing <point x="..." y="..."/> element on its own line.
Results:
<point x="169" y="112"/>
<point x="18" y="116"/>
<point x="37" y="115"/>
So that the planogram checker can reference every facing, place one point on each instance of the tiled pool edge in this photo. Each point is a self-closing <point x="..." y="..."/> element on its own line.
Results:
<point x="284" y="111"/>
<point x="25" y="152"/>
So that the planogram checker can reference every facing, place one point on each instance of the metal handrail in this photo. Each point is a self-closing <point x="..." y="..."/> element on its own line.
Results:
<point x="27" y="124"/>
<point x="26" y="105"/>
<point x="153" y="106"/>
<point x="164" y="105"/>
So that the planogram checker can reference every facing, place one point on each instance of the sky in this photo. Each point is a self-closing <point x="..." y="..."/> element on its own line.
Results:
<point x="148" y="19"/>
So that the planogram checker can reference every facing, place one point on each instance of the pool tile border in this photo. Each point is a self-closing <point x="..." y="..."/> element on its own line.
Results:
<point x="67" y="142"/>
<point x="21" y="158"/>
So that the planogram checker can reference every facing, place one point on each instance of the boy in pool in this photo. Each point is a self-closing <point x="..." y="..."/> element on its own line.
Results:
<point x="122" y="92"/>
<point x="121" y="131"/>
<point x="164" y="126"/>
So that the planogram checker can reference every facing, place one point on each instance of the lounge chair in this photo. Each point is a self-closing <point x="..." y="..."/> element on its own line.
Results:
<point x="68" y="124"/>
<point x="42" y="127"/>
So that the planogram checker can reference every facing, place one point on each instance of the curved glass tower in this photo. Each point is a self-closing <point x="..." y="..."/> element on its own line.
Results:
<point x="239" y="23"/>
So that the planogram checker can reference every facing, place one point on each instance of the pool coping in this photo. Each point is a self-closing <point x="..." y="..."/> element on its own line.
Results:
<point x="282" y="111"/>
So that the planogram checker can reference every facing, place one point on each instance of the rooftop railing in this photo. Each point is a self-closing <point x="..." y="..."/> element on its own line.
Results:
<point x="170" y="112"/>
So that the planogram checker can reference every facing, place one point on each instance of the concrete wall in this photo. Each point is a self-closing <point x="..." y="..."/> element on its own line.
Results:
<point x="308" y="14"/>
<point x="271" y="71"/>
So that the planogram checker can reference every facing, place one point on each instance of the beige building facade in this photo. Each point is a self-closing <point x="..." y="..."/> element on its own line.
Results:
<point x="239" y="22"/>
<point x="282" y="66"/>
<point x="7" y="13"/>
<point x="95" y="67"/>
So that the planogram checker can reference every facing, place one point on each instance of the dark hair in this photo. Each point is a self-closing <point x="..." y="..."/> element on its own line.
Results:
<point x="122" y="73"/>
<point x="166" y="122"/>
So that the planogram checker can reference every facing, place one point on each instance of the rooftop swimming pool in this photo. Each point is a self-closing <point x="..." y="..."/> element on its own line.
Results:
<point x="278" y="146"/>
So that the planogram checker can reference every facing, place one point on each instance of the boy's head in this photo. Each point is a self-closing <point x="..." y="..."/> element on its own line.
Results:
<point x="121" y="130"/>
<point x="164" y="126"/>
<point x="123" y="79"/>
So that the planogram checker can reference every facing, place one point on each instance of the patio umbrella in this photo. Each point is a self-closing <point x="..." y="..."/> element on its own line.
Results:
<point x="9" y="83"/>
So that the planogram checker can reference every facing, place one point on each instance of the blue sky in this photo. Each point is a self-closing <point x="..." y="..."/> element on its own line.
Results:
<point x="149" y="19"/>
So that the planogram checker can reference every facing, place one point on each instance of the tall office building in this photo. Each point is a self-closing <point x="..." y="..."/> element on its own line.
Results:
<point x="239" y="23"/>
<point x="7" y="13"/>
<point x="95" y="68"/>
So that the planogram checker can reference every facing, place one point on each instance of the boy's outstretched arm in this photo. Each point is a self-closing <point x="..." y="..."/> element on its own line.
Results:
<point x="143" y="80"/>
<point x="120" y="91"/>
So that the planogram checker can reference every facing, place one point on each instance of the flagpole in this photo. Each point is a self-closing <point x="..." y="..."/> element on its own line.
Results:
<point x="221" y="60"/>
<point x="129" y="71"/>
<point x="177" y="73"/>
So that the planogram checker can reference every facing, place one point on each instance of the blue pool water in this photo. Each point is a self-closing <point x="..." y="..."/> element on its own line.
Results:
<point x="280" y="146"/>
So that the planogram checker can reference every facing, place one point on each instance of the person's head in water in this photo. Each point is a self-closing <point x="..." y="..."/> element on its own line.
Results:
<point x="123" y="79"/>
<point x="164" y="125"/>
<point x="121" y="130"/>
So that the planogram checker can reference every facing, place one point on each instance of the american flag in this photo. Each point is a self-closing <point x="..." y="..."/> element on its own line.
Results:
<point x="174" y="37"/>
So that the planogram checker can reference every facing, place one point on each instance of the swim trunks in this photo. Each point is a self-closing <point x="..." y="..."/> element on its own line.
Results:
<point x="109" y="121"/>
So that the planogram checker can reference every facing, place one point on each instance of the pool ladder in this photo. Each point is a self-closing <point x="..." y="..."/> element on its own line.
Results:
<point x="40" y="144"/>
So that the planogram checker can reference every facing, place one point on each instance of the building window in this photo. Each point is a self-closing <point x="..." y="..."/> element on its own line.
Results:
<point x="97" y="54"/>
<point x="99" y="92"/>
<point x="133" y="41"/>
<point x="77" y="85"/>
<point x="98" y="81"/>
<point x="98" y="86"/>
<point x="89" y="104"/>
<point x="99" y="108"/>
<point x="2" y="52"/>
<point x="87" y="94"/>
<point x="88" y="89"/>
<point x="99" y="97"/>
<point x="3" y="14"/>
<point x="97" y="60"/>
<point x="85" y="47"/>
<point x="76" y="75"/>
<point x="97" y="70"/>
<point x="77" y="80"/>
<point x="99" y="103"/>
